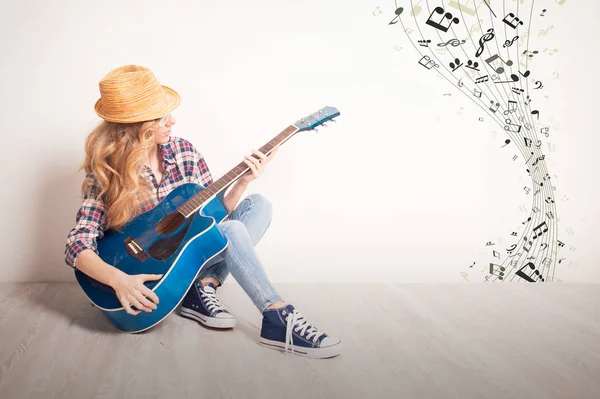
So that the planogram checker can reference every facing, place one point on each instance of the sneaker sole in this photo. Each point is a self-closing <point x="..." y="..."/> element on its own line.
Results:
<point x="208" y="321"/>
<point x="312" y="353"/>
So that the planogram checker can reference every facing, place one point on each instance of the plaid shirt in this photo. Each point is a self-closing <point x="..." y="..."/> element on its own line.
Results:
<point x="182" y="164"/>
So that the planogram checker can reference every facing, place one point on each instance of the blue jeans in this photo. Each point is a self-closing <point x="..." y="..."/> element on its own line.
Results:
<point x="244" y="228"/>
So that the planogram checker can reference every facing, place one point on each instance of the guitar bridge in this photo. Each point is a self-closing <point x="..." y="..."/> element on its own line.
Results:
<point x="135" y="250"/>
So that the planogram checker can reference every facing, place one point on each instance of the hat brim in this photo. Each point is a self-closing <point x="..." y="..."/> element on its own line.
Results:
<point x="172" y="102"/>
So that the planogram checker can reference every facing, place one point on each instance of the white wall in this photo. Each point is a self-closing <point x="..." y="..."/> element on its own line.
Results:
<point x="408" y="185"/>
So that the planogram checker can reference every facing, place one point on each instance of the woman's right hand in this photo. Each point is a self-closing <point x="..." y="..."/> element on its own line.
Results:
<point x="130" y="290"/>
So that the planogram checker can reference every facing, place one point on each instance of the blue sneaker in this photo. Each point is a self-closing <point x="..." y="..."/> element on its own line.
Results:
<point x="202" y="304"/>
<point x="285" y="328"/>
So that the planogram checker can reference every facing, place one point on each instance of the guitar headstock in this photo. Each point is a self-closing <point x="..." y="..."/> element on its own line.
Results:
<point x="317" y="119"/>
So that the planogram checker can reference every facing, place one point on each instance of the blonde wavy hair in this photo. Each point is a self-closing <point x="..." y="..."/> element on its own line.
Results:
<point x="115" y="154"/>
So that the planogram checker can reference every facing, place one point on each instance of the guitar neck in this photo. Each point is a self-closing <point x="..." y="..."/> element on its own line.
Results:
<point x="197" y="201"/>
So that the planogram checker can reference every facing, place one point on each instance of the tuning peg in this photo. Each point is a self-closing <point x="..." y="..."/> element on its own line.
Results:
<point x="324" y="125"/>
<point x="316" y="130"/>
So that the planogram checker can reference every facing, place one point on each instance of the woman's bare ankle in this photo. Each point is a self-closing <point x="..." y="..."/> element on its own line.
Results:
<point x="207" y="280"/>
<point x="276" y="305"/>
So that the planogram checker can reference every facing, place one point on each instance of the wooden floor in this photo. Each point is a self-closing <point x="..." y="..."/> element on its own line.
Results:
<point x="524" y="341"/>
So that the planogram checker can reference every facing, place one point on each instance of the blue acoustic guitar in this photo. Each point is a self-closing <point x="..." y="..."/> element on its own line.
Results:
<point x="176" y="238"/>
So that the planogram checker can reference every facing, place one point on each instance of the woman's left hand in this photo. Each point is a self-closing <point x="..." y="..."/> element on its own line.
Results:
<point x="257" y="166"/>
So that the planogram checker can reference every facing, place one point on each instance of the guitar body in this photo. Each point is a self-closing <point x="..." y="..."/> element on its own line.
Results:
<point x="178" y="255"/>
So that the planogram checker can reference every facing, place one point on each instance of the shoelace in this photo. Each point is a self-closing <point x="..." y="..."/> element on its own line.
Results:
<point x="209" y="296"/>
<point x="303" y="327"/>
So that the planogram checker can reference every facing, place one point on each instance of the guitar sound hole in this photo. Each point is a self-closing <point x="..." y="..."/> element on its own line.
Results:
<point x="165" y="247"/>
<point x="170" y="223"/>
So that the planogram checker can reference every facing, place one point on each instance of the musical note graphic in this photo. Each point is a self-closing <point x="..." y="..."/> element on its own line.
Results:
<point x="500" y="69"/>
<point x="514" y="78"/>
<point x="429" y="63"/>
<point x="416" y="10"/>
<point x="552" y="51"/>
<point x="473" y="28"/>
<point x="527" y="277"/>
<point x="545" y="32"/>
<point x="439" y="24"/>
<point x="532" y="53"/>
<point x="397" y="17"/>
<point x="472" y="65"/>
<point x="499" y="270"/>
<point x="508" y="124"/>
<point x="512" y="107"/>
<point x="455" y="66"/>
<point x="513" y="18"/>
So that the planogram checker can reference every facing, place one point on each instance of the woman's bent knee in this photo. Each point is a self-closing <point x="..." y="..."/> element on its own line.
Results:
<point x="260" y="201"/>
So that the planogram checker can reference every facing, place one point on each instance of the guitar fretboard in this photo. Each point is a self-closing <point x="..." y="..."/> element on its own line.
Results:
<point x="197" y="201"/>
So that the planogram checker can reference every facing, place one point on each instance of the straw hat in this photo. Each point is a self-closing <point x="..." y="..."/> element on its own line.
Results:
<point x="132" y="93"/>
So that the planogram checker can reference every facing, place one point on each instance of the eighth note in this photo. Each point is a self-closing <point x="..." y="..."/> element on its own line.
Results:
<point x="500" y="273"/>
<point x="500" y="69"/>
<point x="530" y="55"/>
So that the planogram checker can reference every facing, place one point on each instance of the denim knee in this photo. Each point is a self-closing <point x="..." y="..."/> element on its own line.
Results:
<point x="233" y="227"/>
<point x="260" y="201"/>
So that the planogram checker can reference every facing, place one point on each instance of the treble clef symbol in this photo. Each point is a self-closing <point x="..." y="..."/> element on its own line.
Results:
<point x="452" y="42"/>
<point x="485" y="38"/>
<point x="509" y="43"/>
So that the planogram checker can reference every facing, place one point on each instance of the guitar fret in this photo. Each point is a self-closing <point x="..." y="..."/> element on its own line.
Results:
<point x="196" y="201"/>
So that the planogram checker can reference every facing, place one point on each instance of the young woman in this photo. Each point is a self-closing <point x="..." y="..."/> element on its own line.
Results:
<point x="132" y="162"/>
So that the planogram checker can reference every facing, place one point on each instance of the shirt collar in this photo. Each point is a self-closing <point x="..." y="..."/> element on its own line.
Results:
<point x="167" y="151"/>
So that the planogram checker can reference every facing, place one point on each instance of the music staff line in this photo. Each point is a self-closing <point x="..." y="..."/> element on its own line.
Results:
<point x="520" y="110"/>
<point x="470" y="77"/>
